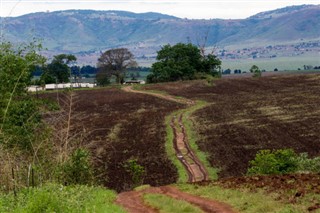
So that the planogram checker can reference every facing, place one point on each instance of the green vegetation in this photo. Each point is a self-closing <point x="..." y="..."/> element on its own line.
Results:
<point x="169" y="205"/>
<point x="242" y="200"/>
<point x="59" y="198"/>
<point x="19" y="113"/>
<point x="182" y="62"/>
<point x="58" y="71"/>
<point x="77" y="169"/>
<point x="282" y="161"/>
<point x="137" y="171"/>
<point x="256" y="71"/>
<point x="114" y="62"/>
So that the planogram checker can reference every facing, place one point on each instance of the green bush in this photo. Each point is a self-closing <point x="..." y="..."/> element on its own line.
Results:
<point x="78" y="170"/>
<point x="274" y="162"/>
<point x="137" y="171"/>
<point x="306" y="164"/>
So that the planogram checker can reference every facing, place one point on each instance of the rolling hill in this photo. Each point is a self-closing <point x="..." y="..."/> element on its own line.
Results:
<point x="88" y="31"/>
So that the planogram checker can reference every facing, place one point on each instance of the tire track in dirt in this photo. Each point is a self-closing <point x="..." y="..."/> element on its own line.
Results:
<point x="133" y="201"/>
<point x="195" y="169"/>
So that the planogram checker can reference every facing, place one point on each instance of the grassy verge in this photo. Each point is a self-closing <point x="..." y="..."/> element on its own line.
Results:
<point x="243" y="200"/>
<point x="58" y="198"/>
<point x="169" y="205"/>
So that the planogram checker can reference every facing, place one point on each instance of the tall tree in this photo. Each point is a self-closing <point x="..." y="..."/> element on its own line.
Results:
<point x="58" y="70"/>
<point x="182" y="62"/>
<point x="115" y="62"/>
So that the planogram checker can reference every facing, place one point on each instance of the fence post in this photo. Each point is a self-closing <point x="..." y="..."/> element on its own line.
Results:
<point x="14" y="183"/>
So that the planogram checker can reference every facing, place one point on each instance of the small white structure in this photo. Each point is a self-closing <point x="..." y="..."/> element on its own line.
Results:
<point x="34" y="88"/>
<point x="135" y="82"/>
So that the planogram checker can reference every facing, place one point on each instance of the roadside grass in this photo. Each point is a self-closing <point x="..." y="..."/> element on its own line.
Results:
<point x="169" y="205"/>
<point x="58" y="198"/>
<point x="243" y="200"/>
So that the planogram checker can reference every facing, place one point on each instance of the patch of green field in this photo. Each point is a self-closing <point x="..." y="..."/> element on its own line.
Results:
<point x="269" y="64"/>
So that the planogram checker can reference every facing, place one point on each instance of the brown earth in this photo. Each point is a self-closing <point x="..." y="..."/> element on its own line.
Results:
<point x="118" y="126"/>
<point x="133" y="201"/>
<point x="247" y="115"/>
<point x="195" y="169"/>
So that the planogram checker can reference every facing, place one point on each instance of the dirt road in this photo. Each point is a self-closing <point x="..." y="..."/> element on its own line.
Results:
<point x="133" y="200"/>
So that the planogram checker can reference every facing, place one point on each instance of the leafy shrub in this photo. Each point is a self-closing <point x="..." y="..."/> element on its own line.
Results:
<point x="137" y="171"/>
<point x="306" y="164"/>
<point x="274" y="162"/>
<point x="77" y="170"/>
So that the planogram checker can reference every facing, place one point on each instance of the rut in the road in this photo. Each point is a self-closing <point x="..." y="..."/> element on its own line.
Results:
<point x="196" y="171"/>
<point x="133" y="201"/>
<point x="194" y="167"/>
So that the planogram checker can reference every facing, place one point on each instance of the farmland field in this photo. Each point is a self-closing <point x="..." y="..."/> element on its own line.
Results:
<point x="119" y="127"/>
<point x="246" y="115"/>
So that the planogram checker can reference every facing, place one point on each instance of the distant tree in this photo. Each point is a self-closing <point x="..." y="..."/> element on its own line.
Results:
<point x="103" y="78"/>
<point x="276" y="69"/>
<point x="59" y="69"/>
<point x="75" y="72"/>
<point x="88" y="70"/>
<point x="227" y="71"/>
<point x="256" y="71"/>
<point x="182" y="62"/>
<point x="115" y="62"/>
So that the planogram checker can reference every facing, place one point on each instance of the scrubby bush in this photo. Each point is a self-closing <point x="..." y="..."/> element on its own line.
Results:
<point x="306" y="164"/>
<point x="78" y="170"/>
<point x="283" y="161"/>
<point x="274" y="162"/>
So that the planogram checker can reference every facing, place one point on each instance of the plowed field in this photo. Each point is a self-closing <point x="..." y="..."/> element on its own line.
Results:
<point x="246" y="115"/>
<point x="118" y="126"/>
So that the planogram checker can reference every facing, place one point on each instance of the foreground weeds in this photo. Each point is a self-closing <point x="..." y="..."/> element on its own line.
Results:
<point x="58" y="198"/>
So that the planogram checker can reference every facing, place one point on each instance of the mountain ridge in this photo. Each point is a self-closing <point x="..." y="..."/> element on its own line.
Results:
<point x="88" y="31"/>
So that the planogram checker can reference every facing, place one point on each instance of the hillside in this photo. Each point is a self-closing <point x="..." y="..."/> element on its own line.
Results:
<point x="88" y="31"/>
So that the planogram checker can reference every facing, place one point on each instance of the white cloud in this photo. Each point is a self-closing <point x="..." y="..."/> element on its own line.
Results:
<point x="181" y="8"/>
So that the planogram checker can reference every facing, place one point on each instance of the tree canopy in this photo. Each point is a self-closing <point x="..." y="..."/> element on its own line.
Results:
<point x="58" y="71"/>
<point x="115" y="62"/>
<point x="182" y="62"/>
<point x="256" y="71"/>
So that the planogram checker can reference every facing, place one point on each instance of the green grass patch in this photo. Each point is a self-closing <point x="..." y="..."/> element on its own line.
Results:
<point x="170" y="205"/>
<point x="58" y="198"/>
<point x="243" y="201"/>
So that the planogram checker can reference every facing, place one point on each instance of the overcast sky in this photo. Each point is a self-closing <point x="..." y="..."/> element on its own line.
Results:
<point x="192" y="9"/>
